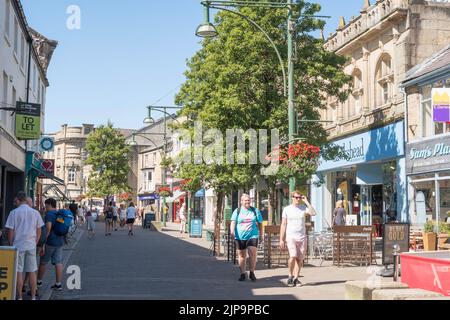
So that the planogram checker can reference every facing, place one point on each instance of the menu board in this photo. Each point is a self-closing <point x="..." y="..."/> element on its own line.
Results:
<point x="394" y="234"/>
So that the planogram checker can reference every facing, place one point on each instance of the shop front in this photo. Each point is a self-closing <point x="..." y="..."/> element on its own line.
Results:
<point x="370" y="183"/>
<point x="428" y="171"/>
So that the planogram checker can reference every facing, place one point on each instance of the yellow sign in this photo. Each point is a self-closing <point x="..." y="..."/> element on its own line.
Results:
<point x="8" y="271"/>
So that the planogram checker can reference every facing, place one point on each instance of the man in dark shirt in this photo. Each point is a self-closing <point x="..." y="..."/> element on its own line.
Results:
<point x="53" y="247"/>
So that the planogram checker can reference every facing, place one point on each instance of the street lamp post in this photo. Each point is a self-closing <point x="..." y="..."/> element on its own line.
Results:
<point x="149" y="120"/>
<point x="207" y="30"/>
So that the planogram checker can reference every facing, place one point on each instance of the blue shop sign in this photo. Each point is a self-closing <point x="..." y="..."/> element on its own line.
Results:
<point x="375" y="145"/>
<point x="148" y="197"/>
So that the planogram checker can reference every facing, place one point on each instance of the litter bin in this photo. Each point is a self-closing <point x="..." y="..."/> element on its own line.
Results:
<point x="209" y="235"/>
<point x="147" y="221"/>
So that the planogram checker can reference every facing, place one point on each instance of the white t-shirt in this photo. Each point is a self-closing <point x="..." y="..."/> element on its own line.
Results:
<point x="296" y="221"/>
<point x="114" y="211"/>
<point x="182" y="213"/>
<point x="24" y="221"/>
<point x="123" y="213"/>
<point x="131" y="213"/>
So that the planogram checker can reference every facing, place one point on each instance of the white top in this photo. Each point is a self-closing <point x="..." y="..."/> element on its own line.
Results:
<point x="131" y="213"/>
<point x="182" y="213"/>
<point x="24" y="221"/>
<point x="296" y="221"/>
<point x="114" y="211"/>
<point x="123" y="213"/>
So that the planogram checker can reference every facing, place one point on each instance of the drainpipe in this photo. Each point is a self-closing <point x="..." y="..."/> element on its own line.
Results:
<point x="27" y="176"/>
<point x="405" y="132"/>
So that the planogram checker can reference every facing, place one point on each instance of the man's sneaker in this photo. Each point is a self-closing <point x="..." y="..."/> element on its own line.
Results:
<point x="252" y="276"/>
<point x="297" y="283"/>
<point x="39" y="283"/>
<point x="56" y="287"/>
<point x="242" y="277"/>
<point x="290" y="282"/>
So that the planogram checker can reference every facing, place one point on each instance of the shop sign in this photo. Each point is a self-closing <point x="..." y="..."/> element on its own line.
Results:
<point x="376" y="145"/>
<point x="441" y="104"/>
<point x="428" y="156"/>
<point x="394" y="234"/>
<point x="8" y="271"/>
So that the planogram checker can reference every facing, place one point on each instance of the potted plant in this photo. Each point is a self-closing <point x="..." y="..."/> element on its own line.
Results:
<point x="444" y="234"/>
<point x="429" y="237"/>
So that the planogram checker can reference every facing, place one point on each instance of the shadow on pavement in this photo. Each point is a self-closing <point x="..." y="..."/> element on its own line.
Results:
<point x="153" y="265"/>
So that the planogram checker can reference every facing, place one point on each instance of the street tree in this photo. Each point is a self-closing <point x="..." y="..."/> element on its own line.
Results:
<point x="108" y="154"/>
<point x="235" y="81"/>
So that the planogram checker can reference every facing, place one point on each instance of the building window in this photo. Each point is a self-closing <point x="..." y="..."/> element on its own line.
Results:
<point x="71" y="177"/>
<point x="429" y="127"/>
<point x="11" y="119"/>
<point x="355" y="105"/>
<point x="4" y="98"/>
<point x="7" y="17"/>
<point x="384" y="80"/>
<point x="22" y="52"/>
<point x="16" y="37"/>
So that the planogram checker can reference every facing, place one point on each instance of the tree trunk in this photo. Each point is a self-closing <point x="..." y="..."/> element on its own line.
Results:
<point x="219" y="209"/>
<point x="272" y="205"/>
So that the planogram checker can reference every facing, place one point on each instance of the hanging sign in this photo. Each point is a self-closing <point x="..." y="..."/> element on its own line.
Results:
<point x="28" y="121"/>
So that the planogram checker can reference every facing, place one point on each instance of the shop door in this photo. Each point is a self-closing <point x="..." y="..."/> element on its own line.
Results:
<point x="366" y="206"/>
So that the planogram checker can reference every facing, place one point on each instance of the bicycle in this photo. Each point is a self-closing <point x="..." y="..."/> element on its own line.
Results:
<point x="72" y="229"/>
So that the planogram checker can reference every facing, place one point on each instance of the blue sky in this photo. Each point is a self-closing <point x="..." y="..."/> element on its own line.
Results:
<point x="127" y="55"/>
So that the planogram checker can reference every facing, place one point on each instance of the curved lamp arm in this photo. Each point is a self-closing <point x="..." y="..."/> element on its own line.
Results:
<point x="161" y="109"/>
<point x="267" y="36"/>
<point x="143" y="136"/>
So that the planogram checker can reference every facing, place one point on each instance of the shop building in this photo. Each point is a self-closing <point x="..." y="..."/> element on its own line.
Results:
<point x="428" y="140"/>
<point x="370" y="182"/>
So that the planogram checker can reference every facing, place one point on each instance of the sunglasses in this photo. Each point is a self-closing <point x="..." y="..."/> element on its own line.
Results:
<point x="298" y="198"/>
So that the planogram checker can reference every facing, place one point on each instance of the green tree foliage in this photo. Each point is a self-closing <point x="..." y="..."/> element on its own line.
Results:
<point x="108" y="154"/>
<point x="235" y="81"/>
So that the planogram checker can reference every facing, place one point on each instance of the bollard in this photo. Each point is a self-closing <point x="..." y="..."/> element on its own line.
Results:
<point x="395" y="251"/>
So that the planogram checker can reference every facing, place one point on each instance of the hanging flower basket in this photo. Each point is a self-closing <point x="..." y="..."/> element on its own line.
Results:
<point x="296" y="160"/>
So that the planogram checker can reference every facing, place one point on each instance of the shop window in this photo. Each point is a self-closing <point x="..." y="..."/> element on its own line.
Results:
<point x="429" y="127"/>
<point x="444" y="196"/>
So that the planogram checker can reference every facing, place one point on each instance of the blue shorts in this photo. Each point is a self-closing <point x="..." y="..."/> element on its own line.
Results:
<point x="52" y="253"/>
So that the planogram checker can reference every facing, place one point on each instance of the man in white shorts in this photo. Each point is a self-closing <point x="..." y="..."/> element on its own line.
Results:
<point x="24" y="224"/>
<point x="293" y="234"/>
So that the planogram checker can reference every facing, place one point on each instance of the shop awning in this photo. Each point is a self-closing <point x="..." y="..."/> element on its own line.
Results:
<point x="48" y="175"/>
<point x="59" y="195"/>
<point x="200" y="193"/>
<point x="177" y="194"/>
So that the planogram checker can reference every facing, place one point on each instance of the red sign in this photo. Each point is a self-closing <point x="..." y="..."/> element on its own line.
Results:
<point x="47" y="166"/>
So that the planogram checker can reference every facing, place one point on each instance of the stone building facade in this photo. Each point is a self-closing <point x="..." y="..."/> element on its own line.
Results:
<point x="386" y="40"/>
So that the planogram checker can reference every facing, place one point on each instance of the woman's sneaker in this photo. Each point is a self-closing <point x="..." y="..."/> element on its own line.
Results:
<point x="242" y="277"/>
<point x="290" y="282"/>
<point x="57" y="287"/>
<point x="252" y="276"/>
<point x="297" y="283"/>
<point x="39" y="283"/>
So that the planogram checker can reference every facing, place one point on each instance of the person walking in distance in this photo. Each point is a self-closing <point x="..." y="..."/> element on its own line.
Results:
<point x="131" y="217"/>
<point x="108" y="219"/>
<point x="182" y="214"/>
<point x="293" y="234"/>
<point x="122" y="216"/>
<point x="90" y="224"/>
<point x="24" y="231"/>
<point x="115" y="215"/>
<point x="245" y="228"/>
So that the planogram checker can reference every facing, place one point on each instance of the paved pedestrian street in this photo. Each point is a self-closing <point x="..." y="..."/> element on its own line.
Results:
<point x="166" y="265"/>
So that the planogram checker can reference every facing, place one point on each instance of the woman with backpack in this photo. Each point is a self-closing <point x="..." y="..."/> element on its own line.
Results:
<point x="109" y="215"/>
<point x="245" y="228"/>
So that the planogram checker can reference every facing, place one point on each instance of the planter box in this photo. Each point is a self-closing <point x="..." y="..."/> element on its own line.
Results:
<point x="429" y="241"/>
<point x="427" y="270"/>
